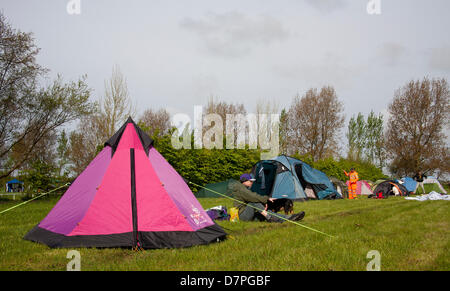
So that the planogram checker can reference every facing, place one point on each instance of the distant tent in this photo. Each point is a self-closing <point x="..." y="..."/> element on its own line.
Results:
<point x="363" y="187"/>
<point x="128" y="196"/>
<point x="391" y="187"/>
<point x="14" y="186"/>
<point x="340" y="186"/>
<point x="220" y="187"/>
<point x="433" y="181"/>
<point x="286" y="177"/>
<point x="410" y="184"/>
<point x="376" y="183"/>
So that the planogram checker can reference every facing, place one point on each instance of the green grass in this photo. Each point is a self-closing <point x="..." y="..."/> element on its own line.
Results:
<point x="409" y="235"/>
<point x="431" y="187"/>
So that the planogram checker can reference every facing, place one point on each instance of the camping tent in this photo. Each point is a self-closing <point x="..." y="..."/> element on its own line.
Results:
<point x="286" y="177"/>
<point x="221" y="187"/>
<point x="340" y="186"/>
<point x="430" y="180"/>
<point x="14" y="186"/>
<point x="128" y="196"/>
<point x="391" y="187"/>
<point x="363" y="187"/>
<point x="410" y="184"/>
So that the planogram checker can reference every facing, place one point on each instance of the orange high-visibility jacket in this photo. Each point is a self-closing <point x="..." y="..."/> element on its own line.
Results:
<point x="353" y="177"/>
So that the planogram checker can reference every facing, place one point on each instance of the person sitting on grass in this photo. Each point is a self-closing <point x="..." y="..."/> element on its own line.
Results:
<point x="254" y="206"/>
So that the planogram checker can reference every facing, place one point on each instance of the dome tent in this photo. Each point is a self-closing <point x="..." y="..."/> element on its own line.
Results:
<point x="286" y="177"/>
<point x="340" y="186"/>
<point x="434" y="184"/>
<point x="390" y="187"/>
<point x="128" y="196"/>
<point x="363" y="187"/>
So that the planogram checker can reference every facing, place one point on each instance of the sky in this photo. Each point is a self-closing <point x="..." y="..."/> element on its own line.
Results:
<point x="177" y="54"/>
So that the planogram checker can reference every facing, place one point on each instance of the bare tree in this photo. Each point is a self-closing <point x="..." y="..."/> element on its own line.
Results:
<point x="116" y="106"/>
<point x="415" y="138"/>
<point x="314" y="123"/>
<point x="110" y="113"/>
<point x="87" y="139"/>
<point x="156" y="122"/>
<point x="223" y="109"/>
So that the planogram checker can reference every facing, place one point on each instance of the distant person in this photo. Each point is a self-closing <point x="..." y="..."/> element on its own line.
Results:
<point x="352" y="185"/>
<point x="419" y="177"/>
<point x="255" y="206"/>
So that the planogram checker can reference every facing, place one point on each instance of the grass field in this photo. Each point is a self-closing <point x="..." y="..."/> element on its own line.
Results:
<point x="409" y="235"/>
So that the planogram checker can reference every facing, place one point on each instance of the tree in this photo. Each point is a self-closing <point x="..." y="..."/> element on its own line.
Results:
<point x="283" y="132"/>
<point x="116" y="106"/>
<point x="40" y="176"/>
<point x="156" y="122"/>
<point x="415" y="138"/>
<point x="230" y="114"/>
<point x="42" y="113"/>
<point x="314" y="123"/>
<point x="63" y="152"/>
<point x="29" y="114"/>
<point x="106" y="118"/>
<point x="86" y="140"/>
<point x="366" y="139"/>
<point x="375" y="151"/>
<point x="356" y="137"/>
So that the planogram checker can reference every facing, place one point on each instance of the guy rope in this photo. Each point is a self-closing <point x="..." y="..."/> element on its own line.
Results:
<point x="43" y="194"/>
<point x="281" y="217"/>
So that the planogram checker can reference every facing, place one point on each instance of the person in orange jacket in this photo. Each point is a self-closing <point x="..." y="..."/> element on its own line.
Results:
<point x="352" y="185"/>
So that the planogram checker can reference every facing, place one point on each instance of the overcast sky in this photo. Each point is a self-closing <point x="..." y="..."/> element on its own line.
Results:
<point x="175" y="54"/>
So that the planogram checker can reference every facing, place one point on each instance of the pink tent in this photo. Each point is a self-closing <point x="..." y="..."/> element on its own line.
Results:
<point x="363" y="187"/>
<point x="128" y="196"/>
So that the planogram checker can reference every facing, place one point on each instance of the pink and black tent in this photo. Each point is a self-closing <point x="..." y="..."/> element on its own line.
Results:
<point x="128" y="196"/>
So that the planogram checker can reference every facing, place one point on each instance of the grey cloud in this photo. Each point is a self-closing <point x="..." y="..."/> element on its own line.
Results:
<point x="326" y="5"/>
<point x="234" y="34"/>
<point x="391" y="53"/>
<point x="330" y="69"/>
<point x="440" y="58"/>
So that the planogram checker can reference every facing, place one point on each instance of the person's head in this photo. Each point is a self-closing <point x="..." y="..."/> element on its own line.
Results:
<point x="420" y="172"/>
<point x="352" y="169"/>
<point x="246" y="180"/>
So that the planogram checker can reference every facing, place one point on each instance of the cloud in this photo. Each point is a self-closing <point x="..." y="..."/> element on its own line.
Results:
<point x="234" y="34"/>
<point x="440" y="58"/>
<point x="326" y="6"/>
<point x="391" y="53"/>
<point x="329" y="69"/>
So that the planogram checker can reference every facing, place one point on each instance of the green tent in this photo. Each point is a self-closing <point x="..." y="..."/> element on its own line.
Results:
<point x="340" y="186"/>
<point x="221" y="187"/>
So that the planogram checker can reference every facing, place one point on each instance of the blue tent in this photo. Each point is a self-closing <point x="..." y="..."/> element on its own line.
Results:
<point x="409" y="183"/>
<point x="14" y="186"/>
<point x="286" y="177"/>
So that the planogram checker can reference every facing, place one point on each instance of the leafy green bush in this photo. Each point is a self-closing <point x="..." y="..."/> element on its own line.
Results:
<point x="203" y="166"/>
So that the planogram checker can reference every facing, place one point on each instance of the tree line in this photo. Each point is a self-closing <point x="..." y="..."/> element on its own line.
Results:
<point x="35" y="139"/>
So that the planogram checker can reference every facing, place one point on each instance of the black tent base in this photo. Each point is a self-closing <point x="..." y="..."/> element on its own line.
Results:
<point x="147" y="240"/>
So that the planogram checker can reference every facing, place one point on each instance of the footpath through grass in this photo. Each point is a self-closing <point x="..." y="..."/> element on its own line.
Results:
<point x="409" y="235"/>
